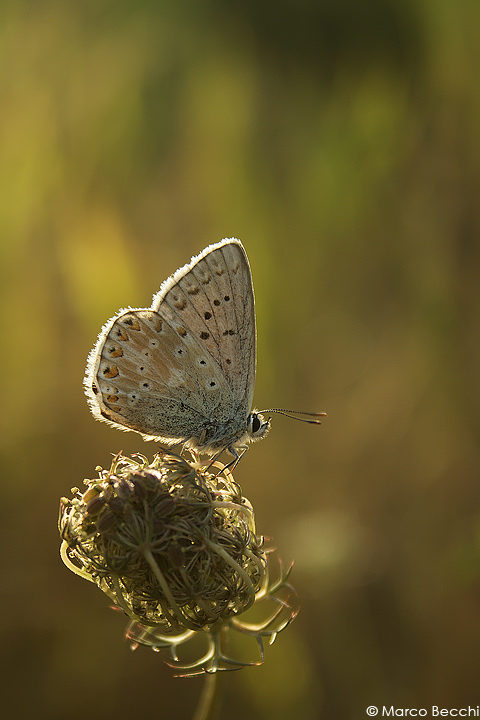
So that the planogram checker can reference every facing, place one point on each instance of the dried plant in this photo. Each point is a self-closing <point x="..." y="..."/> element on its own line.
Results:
<point x="174" y="546"/>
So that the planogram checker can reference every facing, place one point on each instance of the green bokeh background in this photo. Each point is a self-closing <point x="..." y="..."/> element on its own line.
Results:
<point x="340" y="140"/>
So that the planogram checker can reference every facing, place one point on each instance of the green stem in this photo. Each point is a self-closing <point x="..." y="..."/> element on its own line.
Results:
<point x="209" y="702"/>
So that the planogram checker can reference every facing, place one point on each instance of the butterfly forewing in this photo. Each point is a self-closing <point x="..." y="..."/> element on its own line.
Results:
<point x="213" y="300"/>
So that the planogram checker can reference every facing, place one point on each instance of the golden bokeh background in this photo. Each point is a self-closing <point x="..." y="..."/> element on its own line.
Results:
<point x="340" y="140"/>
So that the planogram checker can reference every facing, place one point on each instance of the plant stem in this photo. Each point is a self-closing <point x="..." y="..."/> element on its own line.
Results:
<point x="209" y="702"/>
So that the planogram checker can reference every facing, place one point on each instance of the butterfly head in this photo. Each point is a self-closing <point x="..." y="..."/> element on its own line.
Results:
<point x="257" y="426"/>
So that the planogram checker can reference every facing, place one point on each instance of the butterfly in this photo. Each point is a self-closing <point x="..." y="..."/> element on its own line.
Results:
<point x="183" y="370"/>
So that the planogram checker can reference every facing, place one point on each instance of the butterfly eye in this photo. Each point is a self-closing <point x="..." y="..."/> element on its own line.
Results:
<point x="256" y="423"/>
<point x="257" y="426"/>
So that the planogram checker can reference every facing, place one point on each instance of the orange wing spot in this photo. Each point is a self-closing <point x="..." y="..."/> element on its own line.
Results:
<point x="111" y="398"/>
<point x="115" y="351"/>
<point x="132" y="322"/>
<point x="181" y="331"/>
<point x="158" y="325"/>
<point x="110" y="371"/>
<point x="121" y="334"/>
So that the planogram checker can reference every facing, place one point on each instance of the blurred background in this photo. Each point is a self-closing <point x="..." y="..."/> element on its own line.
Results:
<point x="340" y="141"/>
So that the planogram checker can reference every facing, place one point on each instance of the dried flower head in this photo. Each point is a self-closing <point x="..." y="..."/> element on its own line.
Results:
<point x="173" y="545"/>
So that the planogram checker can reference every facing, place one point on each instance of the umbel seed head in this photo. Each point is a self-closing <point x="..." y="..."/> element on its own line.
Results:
<point x="172" y="544"/>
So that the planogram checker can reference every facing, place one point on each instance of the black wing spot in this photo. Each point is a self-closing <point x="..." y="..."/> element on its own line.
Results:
<point x="204" y="335"/>
<point x="207" y="315"/>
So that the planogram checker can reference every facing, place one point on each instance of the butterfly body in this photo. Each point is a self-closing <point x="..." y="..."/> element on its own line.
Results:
<point x="183" y="370"/>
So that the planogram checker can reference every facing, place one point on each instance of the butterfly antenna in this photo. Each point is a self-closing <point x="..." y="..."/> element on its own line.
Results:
<point x="292" y="415"/>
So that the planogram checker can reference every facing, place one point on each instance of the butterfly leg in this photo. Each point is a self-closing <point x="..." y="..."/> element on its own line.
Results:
<point x="181" y="444"/>
<point x="236" y="457"/>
